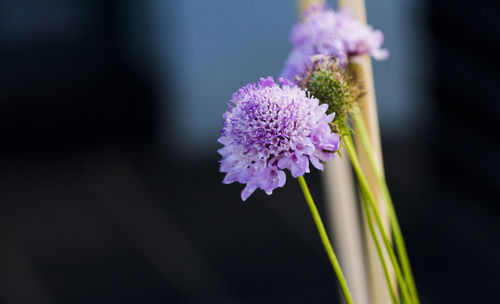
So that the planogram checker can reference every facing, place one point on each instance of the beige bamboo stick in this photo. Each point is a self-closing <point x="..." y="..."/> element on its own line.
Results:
<point x="303" y="5"/>
<point x="343" y="214"/>
<point x="344" y="224"/>
<point x="379" y="293"/>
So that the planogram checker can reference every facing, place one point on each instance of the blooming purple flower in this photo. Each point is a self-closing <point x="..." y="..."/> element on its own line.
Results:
<point x="270" y="127"/>
<point x="324" y="31"/>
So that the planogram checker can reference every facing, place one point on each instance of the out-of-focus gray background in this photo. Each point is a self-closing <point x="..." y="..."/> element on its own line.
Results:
<point x="207" y="49"/>
<point x="109" y="182"/>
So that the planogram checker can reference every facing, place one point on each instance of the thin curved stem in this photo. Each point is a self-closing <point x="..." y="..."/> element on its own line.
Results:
<point x="370" y="203"/>
<point x="398" y="236"/>
<point x="325" y="240"/>
<point x="379" y="251"/>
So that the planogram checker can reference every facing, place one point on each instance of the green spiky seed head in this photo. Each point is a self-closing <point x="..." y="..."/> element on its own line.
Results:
<point x="334" y="85"/>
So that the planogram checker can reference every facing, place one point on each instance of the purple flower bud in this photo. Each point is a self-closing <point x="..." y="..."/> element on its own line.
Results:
<point x="324" y="31"/>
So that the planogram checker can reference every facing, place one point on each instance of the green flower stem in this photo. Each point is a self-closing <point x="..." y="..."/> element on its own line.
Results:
<point x="325" y="240"/>
<point x="370" y="204"/>
<point x="379" y="251"/>
<point x="398" y="236"/>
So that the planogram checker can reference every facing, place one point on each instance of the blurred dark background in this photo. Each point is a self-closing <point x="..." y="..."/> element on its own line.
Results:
<point x="109" y="182"/>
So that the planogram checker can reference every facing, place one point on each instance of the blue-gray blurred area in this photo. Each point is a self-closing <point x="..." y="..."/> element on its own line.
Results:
<point x="209" y="49"/>
<point x="110" y="190"/>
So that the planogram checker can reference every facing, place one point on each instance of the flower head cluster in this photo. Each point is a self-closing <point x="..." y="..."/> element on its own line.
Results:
<point x="334" y="85"/>
<point x="324" y="31"/>
<point x="270" y="127"/>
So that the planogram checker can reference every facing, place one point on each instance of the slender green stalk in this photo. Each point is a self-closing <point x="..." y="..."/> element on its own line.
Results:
<point x="325" y="240"/>
<point x="379" y="251"/>
<point x="398" y="236"/>
<point x="371" y="204"/>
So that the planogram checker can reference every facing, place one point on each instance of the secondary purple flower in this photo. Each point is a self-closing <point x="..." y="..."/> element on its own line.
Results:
<point x="270" y="127"/>
<point x="324" y="31"/>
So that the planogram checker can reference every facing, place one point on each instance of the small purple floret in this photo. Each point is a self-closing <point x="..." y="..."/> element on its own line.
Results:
<point x="324" y="31"/>
<point x="270" y="127"/>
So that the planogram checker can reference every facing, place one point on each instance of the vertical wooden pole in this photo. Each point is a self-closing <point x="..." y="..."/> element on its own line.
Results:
<point x="303" y="5"/>
<point x="379" y="293"/>
<point x="343" y="215"/>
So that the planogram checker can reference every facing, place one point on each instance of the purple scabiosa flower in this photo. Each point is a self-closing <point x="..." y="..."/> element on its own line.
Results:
<point x="324" y="31"/>
<point x="270" y="127"/>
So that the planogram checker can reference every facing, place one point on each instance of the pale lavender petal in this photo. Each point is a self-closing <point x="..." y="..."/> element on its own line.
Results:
<point x="328" y="118"/>
<point x="231" y="177"/>
<point x="271" y="179"/>
<point x="298" y="165"/>
<point x="249" y="189"/>
<point x="282" y="178"/>
<point x="316" y="163"/>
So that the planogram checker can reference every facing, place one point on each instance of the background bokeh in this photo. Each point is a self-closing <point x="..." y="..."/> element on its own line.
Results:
<point x="109" y="182"/>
